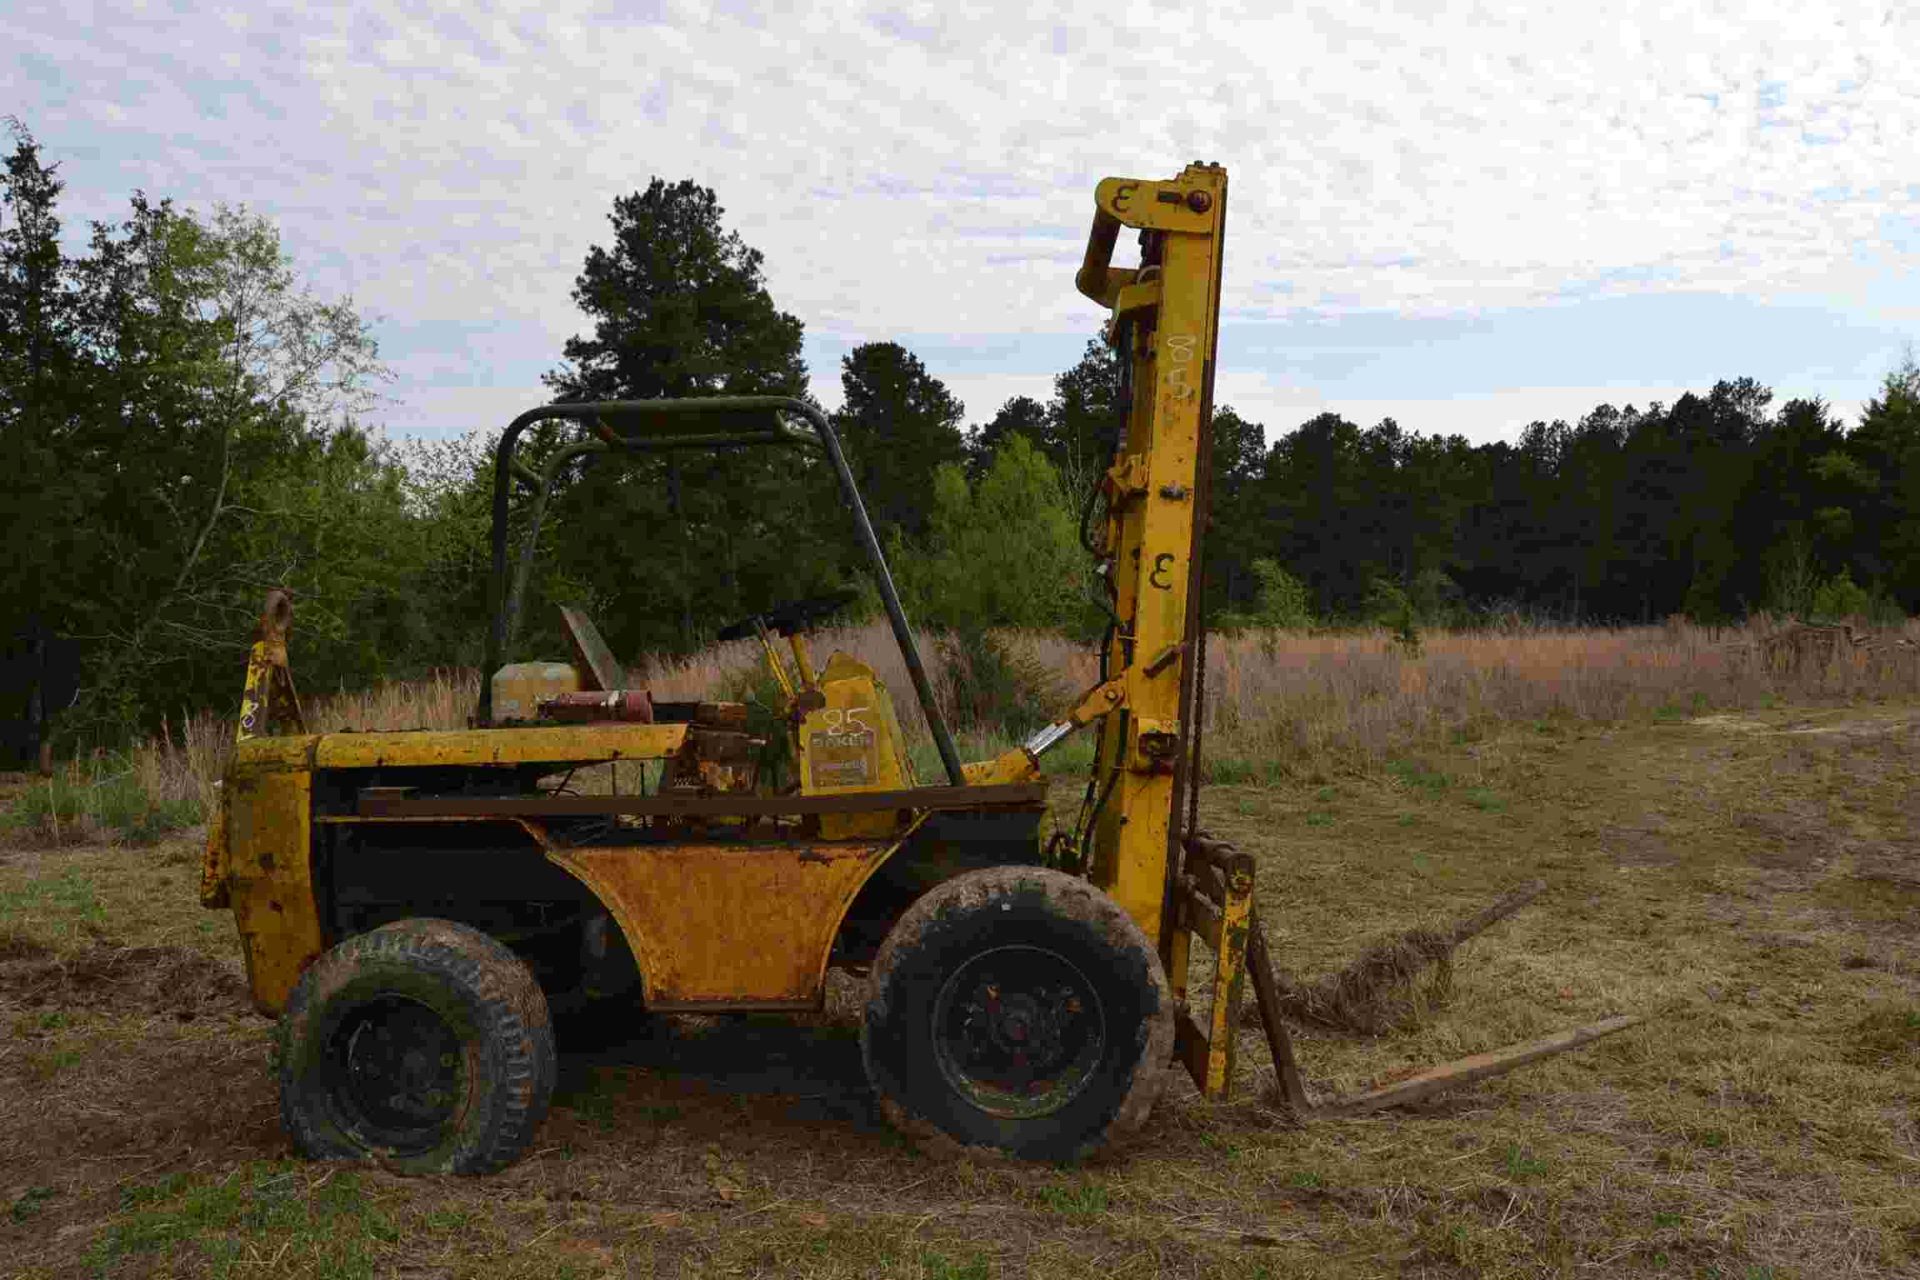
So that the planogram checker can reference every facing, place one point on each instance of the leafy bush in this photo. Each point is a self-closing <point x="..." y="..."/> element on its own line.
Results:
<point x="991" y="686"/>
<point x="756" y="687"/>
<point x="1436" y="598"/>
<point x="1281" y="601"/>
<point x="1839" y="597"/>
<point x="1001" y="552"/>
<point x="1389" y="605"/>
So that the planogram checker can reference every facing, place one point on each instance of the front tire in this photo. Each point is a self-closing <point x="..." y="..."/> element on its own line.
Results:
<point x="1018" y="1008"/>
<point x="423" y="1043"/>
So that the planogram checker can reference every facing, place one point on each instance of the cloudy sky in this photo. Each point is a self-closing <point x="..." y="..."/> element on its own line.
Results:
<point x="1464" y="215"/>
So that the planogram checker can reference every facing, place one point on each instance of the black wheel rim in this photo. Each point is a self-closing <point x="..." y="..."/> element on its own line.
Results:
<point x="1018" y="1031"/>
<point x="399" y="1073"/>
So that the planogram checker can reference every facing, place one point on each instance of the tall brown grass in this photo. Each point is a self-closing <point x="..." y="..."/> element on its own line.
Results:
<point x="1354" y="699"/>
<point x="1282" y="701"/>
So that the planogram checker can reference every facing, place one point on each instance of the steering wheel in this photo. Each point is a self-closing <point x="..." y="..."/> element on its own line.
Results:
<point x="791" y="616"/>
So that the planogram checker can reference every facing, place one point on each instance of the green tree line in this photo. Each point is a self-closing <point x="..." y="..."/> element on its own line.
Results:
<point x="183" y="424"/>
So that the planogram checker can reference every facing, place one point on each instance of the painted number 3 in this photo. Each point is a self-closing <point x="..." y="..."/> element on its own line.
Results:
<point x="1179" y="375"/>
<point x="1161" y="564"/>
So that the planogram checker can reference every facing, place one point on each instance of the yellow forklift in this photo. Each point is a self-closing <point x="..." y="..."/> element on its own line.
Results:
<point x="417" y="907"/>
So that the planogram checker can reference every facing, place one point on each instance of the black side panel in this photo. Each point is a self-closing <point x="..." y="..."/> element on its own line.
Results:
<point x="489" y="875"/>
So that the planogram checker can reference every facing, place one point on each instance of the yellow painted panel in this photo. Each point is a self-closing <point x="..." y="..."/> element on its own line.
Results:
<point x="853" y="743"/>
<point x="1012" y="765"/>
<point x="270" y="880"/>
<point x="272" y="755"/>
<point x="565" y="743"/>
<point x="718" y="925"/>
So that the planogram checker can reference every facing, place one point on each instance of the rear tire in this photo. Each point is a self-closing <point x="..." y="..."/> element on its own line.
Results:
<point x="1018" y="1008"/>
<point x="424" y="1044"/>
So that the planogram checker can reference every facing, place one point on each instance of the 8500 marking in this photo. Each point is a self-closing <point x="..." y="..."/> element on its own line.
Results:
<point x="1179" y="373"/>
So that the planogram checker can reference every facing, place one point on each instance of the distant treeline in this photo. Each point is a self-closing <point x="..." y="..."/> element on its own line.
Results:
<point x="183" y="424"/>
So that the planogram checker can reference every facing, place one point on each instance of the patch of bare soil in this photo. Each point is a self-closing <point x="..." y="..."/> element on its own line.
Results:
<point x="1646" y="842"/>
<point x="1788" y="840"/>
<point x="105" y="977"/>
<point x="120" y="1060"/>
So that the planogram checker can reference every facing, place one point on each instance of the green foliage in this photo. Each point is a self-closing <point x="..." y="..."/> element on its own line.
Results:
<point x="663" y="551"/>
<point x="30" y="1202"/>
<point x="990" y="686"/>
<point x="1000" y="552"/>
<point x="901" y="428"/>
<point x="1083" y="418"/>
<point x="103" y="794"/>
<point x="940" y="1267"/>
<point x="61" y="905"/>
<point x="1790" y="575"/>
<point x="1436" y="598"/>
<point x="1521" y="1164"/>
<point x="1021" y="415"/>
<point x="1388" y="605"/>
<point x="766" y="705"/>
<point x="1417" y="775"/>
<point x="679" y="307"/>
<point x="1838" y="597"/>
<point x="1229" y="771"/>
<point x="1281" y="601"/>
<point x="178" y="420"/>
<point x="1087" y="1200"/>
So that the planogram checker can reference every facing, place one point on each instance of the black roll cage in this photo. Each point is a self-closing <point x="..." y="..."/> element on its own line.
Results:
<point x="655" y="426"/>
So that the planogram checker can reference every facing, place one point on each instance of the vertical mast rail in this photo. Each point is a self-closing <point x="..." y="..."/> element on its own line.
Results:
<point x="1154" y="488"/>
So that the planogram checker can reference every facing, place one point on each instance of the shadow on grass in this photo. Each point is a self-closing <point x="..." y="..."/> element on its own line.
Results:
<point x="674" y="1067"/>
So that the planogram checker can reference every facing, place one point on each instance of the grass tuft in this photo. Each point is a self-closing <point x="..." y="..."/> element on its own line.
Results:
<point x="1083" y="1200"/>
<point x="1887" y="1035"/>
<point x="322" y="1216"/>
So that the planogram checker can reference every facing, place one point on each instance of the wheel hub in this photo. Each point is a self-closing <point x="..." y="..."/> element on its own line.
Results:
<point x="400" y="1071"/>
<point x="1017" y="1030"/>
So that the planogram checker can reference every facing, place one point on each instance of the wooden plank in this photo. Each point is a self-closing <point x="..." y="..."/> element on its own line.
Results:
<point x="1266" y="995"/>
<point x="1479" y="1066"/>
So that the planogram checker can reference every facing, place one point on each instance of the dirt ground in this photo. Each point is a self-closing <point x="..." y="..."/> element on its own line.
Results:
<point x="1752" y="882"/>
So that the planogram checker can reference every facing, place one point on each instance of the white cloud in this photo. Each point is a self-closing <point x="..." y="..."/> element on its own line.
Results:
<point x="452" y="411"/>
<point x="927" y="167"/>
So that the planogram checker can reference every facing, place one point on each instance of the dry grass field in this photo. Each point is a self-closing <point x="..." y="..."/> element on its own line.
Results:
<point x="1732" y="850"/>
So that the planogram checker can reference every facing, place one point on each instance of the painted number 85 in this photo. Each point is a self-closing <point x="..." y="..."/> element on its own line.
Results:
<point x="847" y="721"/>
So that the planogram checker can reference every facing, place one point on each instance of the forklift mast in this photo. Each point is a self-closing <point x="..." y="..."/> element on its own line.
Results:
<point x="1164" y="324"/>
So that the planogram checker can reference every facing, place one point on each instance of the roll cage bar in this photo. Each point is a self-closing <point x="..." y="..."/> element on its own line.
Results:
<point x="656" y="426"/>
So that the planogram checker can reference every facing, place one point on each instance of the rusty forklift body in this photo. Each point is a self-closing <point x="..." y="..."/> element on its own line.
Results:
<point x="712" y="891"/>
